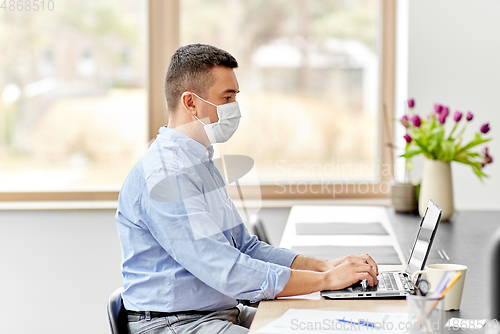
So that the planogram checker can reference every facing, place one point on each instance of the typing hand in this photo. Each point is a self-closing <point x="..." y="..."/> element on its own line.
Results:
<point x="330" y="264"/>
<point x="350" y="271"/>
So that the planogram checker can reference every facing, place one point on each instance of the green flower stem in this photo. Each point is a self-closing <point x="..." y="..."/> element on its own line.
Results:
<point x="452" y="131"/>
<point x="463" y="129"/>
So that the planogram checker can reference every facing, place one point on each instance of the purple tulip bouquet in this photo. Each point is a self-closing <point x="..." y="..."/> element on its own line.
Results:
<point x="428" y="137"/>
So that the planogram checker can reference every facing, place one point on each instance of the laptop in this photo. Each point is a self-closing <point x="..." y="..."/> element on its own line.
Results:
<point x="397" y="284"/>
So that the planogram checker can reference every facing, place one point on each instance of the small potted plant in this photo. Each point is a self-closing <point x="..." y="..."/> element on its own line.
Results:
<point x="429" y="137"/>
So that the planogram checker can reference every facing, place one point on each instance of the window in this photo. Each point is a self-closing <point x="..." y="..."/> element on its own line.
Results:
<point x="75" y="112"/>
<point x="73" y="102"/>
<point x="310" y="85"/>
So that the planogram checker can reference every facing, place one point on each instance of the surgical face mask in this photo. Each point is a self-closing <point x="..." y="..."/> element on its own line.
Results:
<point x="229" y="119"/>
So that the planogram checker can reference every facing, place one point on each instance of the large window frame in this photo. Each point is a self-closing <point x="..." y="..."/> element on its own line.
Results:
<point x="163" y="40"/>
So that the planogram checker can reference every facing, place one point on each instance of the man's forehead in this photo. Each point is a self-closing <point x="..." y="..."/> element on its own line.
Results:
<point x="225" y="80"/>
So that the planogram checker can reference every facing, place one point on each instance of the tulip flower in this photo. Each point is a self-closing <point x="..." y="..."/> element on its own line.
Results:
<point x="442" y="117"/>
<point x="488" y="159"/>
<point x="485" y="128"/>
<point x="434" y="142"/>
<point x="469" y="116"/>
<point x="404" y="121"/>
<point x="416" y="121"/>
<point x="445" y="111"/>
<point x="438" y="108"/>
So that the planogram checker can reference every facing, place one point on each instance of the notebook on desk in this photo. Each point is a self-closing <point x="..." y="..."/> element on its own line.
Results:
<point x="395" y="284"/>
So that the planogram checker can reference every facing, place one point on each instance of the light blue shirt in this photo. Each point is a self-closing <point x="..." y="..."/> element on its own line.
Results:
<point x="184" y="246"/>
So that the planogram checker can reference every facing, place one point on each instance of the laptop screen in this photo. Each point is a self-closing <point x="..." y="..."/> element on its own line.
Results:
<point x="425" y="235"/>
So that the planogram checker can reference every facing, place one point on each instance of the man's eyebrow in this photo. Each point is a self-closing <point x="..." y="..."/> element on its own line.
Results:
<point x="230" y="91"/>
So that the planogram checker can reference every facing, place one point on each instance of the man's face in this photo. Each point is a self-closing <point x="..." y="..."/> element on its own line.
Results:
<point x="223" y="91"/>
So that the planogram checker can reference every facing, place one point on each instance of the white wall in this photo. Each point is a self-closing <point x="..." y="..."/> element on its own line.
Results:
<point x="452" y="54"/>
<point x="58" y="269"/>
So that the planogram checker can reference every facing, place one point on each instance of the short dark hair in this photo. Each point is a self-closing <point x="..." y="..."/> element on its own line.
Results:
<point x="189" y="70"/>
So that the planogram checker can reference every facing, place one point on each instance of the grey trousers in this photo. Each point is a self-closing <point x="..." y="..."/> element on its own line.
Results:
<point x="233" y="321"/>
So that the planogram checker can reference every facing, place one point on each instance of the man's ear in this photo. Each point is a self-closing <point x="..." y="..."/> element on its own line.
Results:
<point x="187" y="103"/>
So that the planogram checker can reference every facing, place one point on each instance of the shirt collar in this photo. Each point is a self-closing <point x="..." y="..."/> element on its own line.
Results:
<point x="195" y="148"/>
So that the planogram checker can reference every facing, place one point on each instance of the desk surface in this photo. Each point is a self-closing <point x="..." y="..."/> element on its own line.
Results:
<point x="464" y="240"/>
<point x="273" y="309"/>
<point x="343" y="214"/>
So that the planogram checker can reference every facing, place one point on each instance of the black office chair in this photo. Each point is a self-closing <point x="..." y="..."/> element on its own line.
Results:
<point x="257" y="228"/>
<point x="116" y="313"/>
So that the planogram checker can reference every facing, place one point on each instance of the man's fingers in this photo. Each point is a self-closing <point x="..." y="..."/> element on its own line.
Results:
<point x="366" y="258"/>
<point x="360" y="266"/>
<point x="371" y="262"/>
<point x="364" y="275"/>
<point x="368" y="269"/>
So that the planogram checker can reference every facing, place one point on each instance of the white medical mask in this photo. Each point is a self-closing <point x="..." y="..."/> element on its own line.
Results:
<point x="229" y="119"/>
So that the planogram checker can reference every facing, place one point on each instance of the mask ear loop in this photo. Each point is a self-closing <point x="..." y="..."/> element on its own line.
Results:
<point x="204" y="100"/>
<point x="200" y="120"/>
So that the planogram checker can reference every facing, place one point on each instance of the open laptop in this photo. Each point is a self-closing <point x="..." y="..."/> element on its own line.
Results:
<point x="395" y="284"/>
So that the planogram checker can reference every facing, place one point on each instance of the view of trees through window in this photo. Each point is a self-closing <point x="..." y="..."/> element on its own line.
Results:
<point x="72" y="94"/>
<point x="73" y="99"/>
<point x="309" y="81"/>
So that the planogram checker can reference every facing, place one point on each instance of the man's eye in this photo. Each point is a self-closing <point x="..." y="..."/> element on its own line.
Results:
<point x="227" y="98"/>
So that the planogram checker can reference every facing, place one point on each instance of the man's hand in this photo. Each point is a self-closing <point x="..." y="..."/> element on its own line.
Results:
<point x="307" y="263"/>
<point x="353" y="269"/>
<point x="330" y="264"/>
<point x="311" y="275"/>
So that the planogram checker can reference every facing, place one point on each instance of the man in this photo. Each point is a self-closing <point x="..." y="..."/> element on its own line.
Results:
<point x="187" y="257"/>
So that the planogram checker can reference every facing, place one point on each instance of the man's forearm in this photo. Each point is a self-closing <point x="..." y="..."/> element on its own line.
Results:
<point x="303" y="282"/>
<point x="308" y="263"/>
<point x="352" y="270"/>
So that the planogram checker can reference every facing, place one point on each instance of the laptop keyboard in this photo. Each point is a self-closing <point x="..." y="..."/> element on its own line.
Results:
<point x="386" y="282"/>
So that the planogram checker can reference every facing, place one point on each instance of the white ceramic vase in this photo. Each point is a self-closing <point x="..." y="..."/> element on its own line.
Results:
<point x="437" y="185"/>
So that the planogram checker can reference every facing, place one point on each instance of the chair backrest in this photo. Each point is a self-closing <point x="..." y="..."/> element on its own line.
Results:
<point x="116" y="313"/>
<point x="258" y="229"/>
